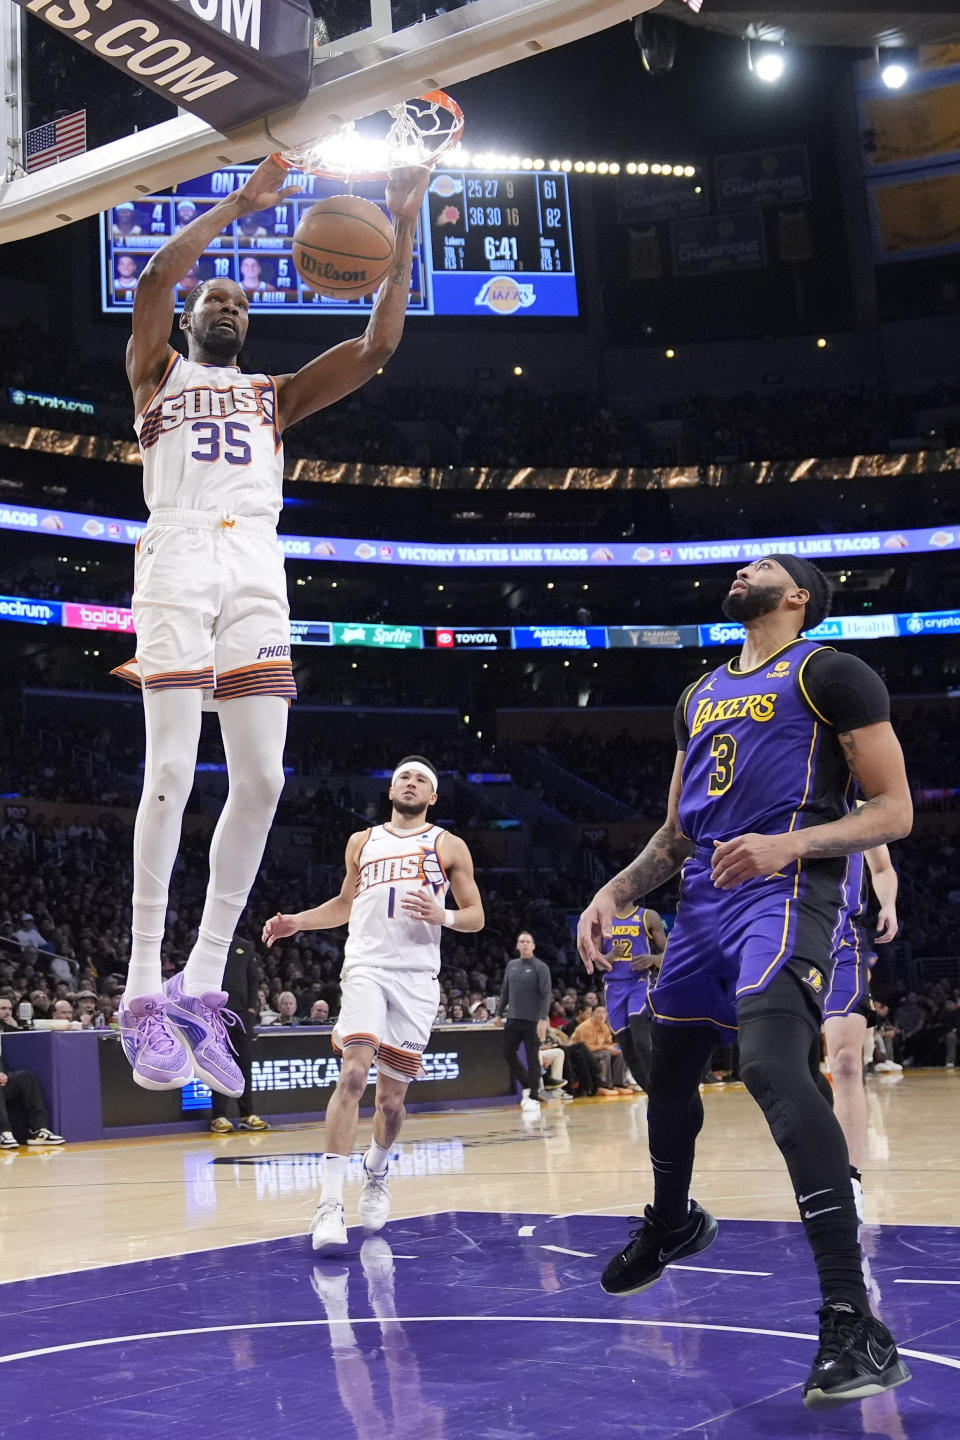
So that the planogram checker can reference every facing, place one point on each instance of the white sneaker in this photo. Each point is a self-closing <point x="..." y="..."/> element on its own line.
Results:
<point x="44" y="1137"/>
<point x="857" y="1197"/>
<point x="529" y="1106"/>
<point x="888" y="1067"/>
<point x="8" y="1141"/>
<point x="329" y="1229"/>
<point x="374" y="1199"/>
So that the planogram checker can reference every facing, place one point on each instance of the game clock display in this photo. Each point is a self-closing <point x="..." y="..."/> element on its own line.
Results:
<point x="494" y="246"/>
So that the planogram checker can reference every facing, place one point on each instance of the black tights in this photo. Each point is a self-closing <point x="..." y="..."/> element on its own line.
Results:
<point x="779" y="1030"/>
<point x="636" y="1040"/>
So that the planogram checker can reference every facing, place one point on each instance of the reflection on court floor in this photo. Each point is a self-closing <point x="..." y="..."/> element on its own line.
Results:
<point x="470" y="1326"/>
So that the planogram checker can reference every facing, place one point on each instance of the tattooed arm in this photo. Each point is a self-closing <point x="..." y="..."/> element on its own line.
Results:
<point x="660" y="858"/>
<point x="875" y="759"/>
<point x="344" y="368"/>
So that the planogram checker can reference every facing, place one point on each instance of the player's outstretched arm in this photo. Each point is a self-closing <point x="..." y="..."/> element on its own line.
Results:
<point x="149" y="348"/>
<point x="458" y="863"/>
<point x="660" y="858"/>
<point x="875" y="759"/>
<point x="344" y="368"/>
<point x="328" y="915"/>
<point x="886" y="884"/>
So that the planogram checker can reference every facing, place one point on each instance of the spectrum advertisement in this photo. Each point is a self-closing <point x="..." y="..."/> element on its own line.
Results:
<point x="89" y="615"/>
<point x="645" y="555"/>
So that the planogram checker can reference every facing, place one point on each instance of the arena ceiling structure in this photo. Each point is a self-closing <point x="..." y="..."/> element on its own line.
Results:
<point x="862" y="26"/>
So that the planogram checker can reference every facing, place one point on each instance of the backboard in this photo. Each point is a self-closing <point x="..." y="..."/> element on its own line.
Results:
<point x="368" y="55"/>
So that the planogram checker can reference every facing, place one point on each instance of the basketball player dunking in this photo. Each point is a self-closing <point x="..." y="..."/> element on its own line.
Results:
<point x="846" y="1009"/>
<point x="210" y="603"/>
<point x="760" y="819"/>
<point x="396" y="880"/>
<point x="639" y="940"/>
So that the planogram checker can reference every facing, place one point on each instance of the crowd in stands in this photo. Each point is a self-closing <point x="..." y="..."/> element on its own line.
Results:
<point x="855" y="420"/>
<point x="65" y="929"/>
<point x="514" y="425"/>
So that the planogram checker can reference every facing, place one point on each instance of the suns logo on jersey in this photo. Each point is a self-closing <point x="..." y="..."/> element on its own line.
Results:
<point x="205" y="403"/>
<point x="425" y="869"/>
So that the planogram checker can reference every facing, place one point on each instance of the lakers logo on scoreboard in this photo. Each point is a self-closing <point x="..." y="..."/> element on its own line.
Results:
<point x="504" y="295"/>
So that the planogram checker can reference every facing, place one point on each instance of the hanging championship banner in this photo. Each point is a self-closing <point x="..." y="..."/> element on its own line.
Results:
<point x="778" y="176"/>
<point x="710" y="243"/>
<point x="226" y="61"/>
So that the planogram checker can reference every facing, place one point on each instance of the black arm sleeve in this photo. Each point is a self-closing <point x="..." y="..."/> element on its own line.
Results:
<point x="680" y="728"/>
<point x="845" y="690"/>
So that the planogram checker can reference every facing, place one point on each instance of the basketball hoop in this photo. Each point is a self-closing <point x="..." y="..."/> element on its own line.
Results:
<point x="421" y="131"/>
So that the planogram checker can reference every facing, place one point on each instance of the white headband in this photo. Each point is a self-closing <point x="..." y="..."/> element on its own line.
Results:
<point x="415" y="765"/>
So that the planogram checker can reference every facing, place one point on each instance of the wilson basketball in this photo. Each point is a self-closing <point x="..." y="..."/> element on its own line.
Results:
<point x="343" y="246"/>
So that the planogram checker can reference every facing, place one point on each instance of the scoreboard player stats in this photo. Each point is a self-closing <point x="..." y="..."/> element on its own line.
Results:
<point x="494" y="246"/>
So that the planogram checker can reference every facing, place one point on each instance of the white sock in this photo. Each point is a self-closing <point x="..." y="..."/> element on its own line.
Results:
<point x="254" y="729"/>
<point x="334" y="1174"/>
<point x="377" y="1160"/>
<point x="172" y="724"/>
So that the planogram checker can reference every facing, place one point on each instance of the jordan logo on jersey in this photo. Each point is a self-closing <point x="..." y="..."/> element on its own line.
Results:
<point x="425" y="868"/>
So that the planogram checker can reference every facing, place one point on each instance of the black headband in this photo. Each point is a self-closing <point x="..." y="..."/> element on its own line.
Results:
<point x="812" y="579"/>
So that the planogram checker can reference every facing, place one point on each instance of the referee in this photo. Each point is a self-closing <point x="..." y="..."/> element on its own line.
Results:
<point x="525" y="1001"/>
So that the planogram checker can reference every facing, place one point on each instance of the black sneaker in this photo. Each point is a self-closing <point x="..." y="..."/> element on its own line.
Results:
<point x="652" y="1247"/>
<point x="857" y="1358"/>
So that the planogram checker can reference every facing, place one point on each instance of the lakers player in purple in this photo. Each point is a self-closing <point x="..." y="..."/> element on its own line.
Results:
<point x="761" y="820"/>
<point x="638" y="942"/>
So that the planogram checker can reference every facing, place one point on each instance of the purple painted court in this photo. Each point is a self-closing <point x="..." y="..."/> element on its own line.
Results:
<point x="471" y="1326"/>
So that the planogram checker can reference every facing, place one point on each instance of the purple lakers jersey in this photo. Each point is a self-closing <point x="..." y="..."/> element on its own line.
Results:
<point x="759" y="757"/>
<point x="631" y="939"/>
<point x="851" y="899"/>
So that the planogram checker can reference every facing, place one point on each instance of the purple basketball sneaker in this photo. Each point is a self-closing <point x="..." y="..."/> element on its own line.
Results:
<point x="159" y="1059"/>
<point x="201" y="1022"/>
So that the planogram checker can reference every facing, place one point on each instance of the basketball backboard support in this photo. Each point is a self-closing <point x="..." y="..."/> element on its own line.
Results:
<point x="351" y="78"/>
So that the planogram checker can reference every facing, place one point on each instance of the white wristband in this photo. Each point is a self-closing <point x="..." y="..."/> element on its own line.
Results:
<point x="448" y="916"/>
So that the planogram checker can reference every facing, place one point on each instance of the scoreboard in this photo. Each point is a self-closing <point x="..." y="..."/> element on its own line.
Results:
<point x="488" y="245"/>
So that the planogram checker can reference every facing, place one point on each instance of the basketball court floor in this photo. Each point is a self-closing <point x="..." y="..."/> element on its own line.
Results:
<point x="170" y="1281"/>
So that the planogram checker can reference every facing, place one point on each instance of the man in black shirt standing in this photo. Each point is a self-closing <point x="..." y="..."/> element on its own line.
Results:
<point x="525" y="1001"/>
<point x="241" y="980"/>
<point x="760" y="817"/>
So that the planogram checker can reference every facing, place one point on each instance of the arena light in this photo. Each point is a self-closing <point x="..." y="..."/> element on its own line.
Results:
<point x="896" y="65"/>
<point x="656" y="39"/>
<point x="766" y="59"/>
<point x="822" y="343"/>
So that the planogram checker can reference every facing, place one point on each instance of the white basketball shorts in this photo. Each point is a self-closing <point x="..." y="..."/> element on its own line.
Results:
<point x="210" y="607"/>
<point x="392" y="1010"/>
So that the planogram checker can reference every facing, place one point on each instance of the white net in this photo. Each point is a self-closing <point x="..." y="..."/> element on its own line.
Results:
<point x="418" y="133"/>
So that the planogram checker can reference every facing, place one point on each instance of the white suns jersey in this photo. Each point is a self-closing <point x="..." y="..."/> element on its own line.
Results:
<point x="209" y="441"/>
<point x="381" y="933"/>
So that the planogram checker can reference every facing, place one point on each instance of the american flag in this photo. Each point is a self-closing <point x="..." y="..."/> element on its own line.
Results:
<point x="57" y="140"/>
